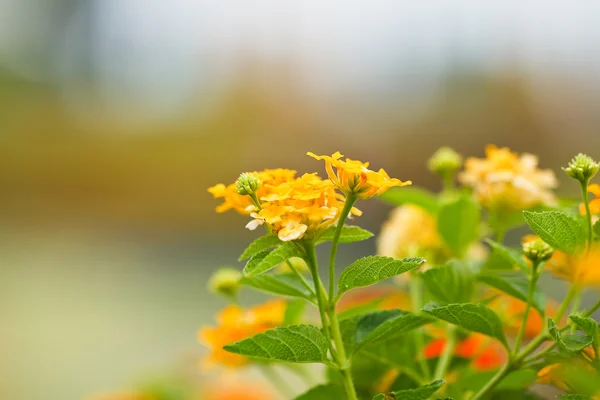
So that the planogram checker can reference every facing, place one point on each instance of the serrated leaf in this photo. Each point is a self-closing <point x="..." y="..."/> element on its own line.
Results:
<point x="323" y="392"/>
<point x="372" y="269"/>
<point x="452" y="283"/>
<point x="350" y="234"/>
<point x="507" y="254"/>
<point x="586" y="324"/>
<point x="515" y="285"/>
<point x="296" y="343"/>
<point x="472" y="317"/>
<point x="281" y="284"/>
<point x="262" y="243"/>
<point x="422" y="393"/>
<point x="558" y="229"/>
<point x="573" y="343"/>
<point x="411" y="195"/>
<point x="265" y="260"/>
<point x="458" y="223"/>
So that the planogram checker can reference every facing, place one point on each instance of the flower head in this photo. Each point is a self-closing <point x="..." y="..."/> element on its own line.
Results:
<point x="536" y="250"/>
<point x="236" y="324"/>
<point x="247" y="183"/>
<point x="504" y="180"/>
<point x="582" y="168"/>
<point x="355" y="178"/>
<point x="225" y="281"/>
<point x="445" y="161"/>
<point x="581" y="270"/>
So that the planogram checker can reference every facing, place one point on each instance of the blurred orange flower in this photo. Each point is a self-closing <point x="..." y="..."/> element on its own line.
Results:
<point x="580" y="270"/>
<point x="236" y="324"/>
<point x="595" y="202"/>
<point x="485" y="354"/>
<point x="506" y="180"/>
<point x="355" y="178"/>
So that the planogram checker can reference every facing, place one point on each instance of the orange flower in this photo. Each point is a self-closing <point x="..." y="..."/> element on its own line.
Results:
<point x="511" y="310"/>
<point x="506" y="180"/>
<point x="595" y="202"/>
<point x="355" y="178"/>
<point x="236" y="324"/>
<point x="484" y="353"/>
<point x="582" y="270"/>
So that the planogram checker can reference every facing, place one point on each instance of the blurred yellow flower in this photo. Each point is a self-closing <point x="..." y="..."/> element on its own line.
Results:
<point x="236" y="324"/>
<point x="582" y="270"/>
<point x="505" y="180"/>
<point x="355" y="178"/>
<point x="594" y="203"/>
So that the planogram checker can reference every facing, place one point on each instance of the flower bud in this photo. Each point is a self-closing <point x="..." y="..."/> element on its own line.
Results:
<point x="225" y="281"/>
<point x="537" y="250"/>
<point x="247" y="184"/>
<point x="582" y="168"/>
<point x="445" y="161"/>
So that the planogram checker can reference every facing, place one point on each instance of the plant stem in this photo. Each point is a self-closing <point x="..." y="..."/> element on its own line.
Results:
<point x="588" y="214"/>
<point x="446" y="357"/>
<point x="350" y="200"/>
<point x="532" y="283"/>
<point x="416" y="299"/>
<point x="343" y="362"/>
<point x="301" y="277"/>
<point x="565" y="304"/>
<point x="492" y="383"/>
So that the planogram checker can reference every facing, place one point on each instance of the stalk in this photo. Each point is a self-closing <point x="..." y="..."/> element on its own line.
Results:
<point x="532" y="283"/>
<point x="416" y="299"/>
<point x="588" y="214"/>
<point x="350" y="200"/>
<point x="446" y="357"/>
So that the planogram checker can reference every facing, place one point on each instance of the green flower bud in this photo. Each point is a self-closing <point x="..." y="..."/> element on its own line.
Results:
<point x="537" y="250"/>
<point x="582" y="168"/>
<point x="445" y="161"/>
<point x="247" y="184"/>
<point x="225" y="281"/>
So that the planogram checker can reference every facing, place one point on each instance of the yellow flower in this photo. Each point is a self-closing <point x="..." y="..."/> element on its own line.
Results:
<point x="507" y="181"/>
<point x="582" y="270"/>
<point x="355" y="178"/>
<point x="594" y="203"/>
<point x="232" y="199"/>
<point x="236" y="324"/>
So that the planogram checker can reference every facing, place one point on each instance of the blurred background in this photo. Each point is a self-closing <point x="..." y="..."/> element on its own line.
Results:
<point x="116" y="115"/>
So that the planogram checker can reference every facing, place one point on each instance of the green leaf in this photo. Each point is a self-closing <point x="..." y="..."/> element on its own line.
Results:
<point x="558" y="229"/>
<point x="265" y="260"/>
<point x="586" y="324"/>
<point x="293" y="312"/>
<point x="452" y="283"/>
<point x="296" y="343"/>
<point x="411" y="195"/>
<point x="573" y="397"/>
<point x="350" y="234"/>
<point x="281" y="284"/>
<point x="323" y="392"/>
<point x="515" y="285"/>
<point x="370" y="270"/>
<point x="472" y="317"/>
<point x="360" y="309"/>
<point x="262" y="243"/>
<point x="458" y="223"/>
<point x="510" y="256"/>
<point x="572" y="343"/>
<point x="422" y="393"/>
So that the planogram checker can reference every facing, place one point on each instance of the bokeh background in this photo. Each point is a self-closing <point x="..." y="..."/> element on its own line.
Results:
<point x="116" y="115"/>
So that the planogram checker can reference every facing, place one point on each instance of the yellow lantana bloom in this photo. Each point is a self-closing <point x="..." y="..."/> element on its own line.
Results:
<point x="583" y="270"/>
<point x="235" y="323"/>
<point x="505" y="180"/>
<point x="355" y="178"/>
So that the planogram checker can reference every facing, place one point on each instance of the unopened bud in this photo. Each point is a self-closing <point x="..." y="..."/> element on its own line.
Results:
<point x="225" y="281"/>
<point x="445" y="161"/>
<point x="247" y="184"/>
<point x="582" y="167"/>
<point x="537" y="250"/>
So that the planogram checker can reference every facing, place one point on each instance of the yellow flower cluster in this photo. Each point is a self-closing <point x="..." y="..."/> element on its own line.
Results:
<point x="507" y="181"/>
<point x="236" y="324"/>
<point x="355" y="178"/>
<point x="580" y="270"/>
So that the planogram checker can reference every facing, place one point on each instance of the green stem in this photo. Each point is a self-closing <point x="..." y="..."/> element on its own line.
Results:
<point x="575" y="307"/>
<point x="275" y="379"/>
<point x="416" y="299"/>
<point x="492" y="383"/>
<point x="592" y="310"/>
<point x="565" y="304"/>
<point x="446" y="357"/>
<point x="588" y="214"/>
<point x="343" y="362"/>
<point x="530" y="294"/>
<point x="350" y="200"/>
<point x="448" y="182"/>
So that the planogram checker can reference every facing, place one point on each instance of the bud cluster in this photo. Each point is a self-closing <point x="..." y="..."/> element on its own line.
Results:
<point x="445" y="161"/>
<point x="225" y="281"/>
<point x="537" y="250"/>
<point x="247" y="184"/>
<point x="582" y="168"/>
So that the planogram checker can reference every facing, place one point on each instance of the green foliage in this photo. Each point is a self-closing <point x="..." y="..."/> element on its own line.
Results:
<point x="514" y="284"/>
<point x="350" y="234"/>
<point x="472" y="317"/>
<point x="323" y="392"/>
<point x="458" y="222"/>
<point x="411" y="195"/>
<point x="574" y="397"/>
<point x="262" y="243"/>
<point x="560" y="230"/>
<point x="372" y="269"/>
<point x="281" y="284"/>
<point x="293" y="312"/>
<point x="509" y="256"/>
<point x="452" y="283"/>
<point x="573" y="343"/>
<point x="296" y="343"/>
<point x="266" y="260"/>
<point x="588" y="325"/>
<point x="422" y="393"/>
